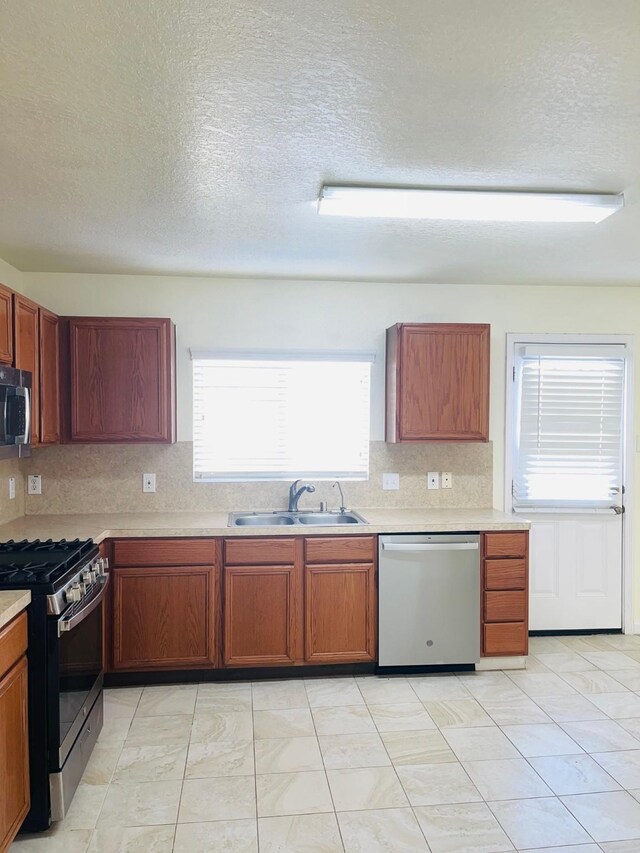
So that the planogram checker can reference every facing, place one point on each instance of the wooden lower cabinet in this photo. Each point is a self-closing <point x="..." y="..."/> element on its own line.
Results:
<point x="14" y="733"/>
<point x="505" y="593"/>
<point x="164" y="617"/>
<point x="262" y="618"/>
<point x="340" y="613"/>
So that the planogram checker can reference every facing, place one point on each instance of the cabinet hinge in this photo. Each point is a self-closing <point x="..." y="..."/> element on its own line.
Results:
<point x="513" y="374"/>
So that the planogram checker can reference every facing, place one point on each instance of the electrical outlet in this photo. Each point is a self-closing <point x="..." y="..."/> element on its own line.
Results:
<point x="148" y="482"/>
<point x="447" y="479"/>
<point x="391" y="481"/>
<point x="34" y="484"/>
<point x="433" y="480"/>
<point x="12" y="488"/>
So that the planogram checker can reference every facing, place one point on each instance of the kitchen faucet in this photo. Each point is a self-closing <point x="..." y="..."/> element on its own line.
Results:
<point x="342" y="506"/>
<point x="294" y="496"/>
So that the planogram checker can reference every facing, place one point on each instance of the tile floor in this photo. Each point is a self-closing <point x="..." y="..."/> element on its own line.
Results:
<point x="546" y="759"/>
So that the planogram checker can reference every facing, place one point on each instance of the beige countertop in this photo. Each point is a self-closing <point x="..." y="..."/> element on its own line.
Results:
<point x="12" y="602"/>
<point x="150" y="524"/>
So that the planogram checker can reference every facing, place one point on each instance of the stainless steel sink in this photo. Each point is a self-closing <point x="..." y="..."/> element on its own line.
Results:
<point x="268" y="519"/>
<point x="260" y="520"/>
<point x="331" y="518"/>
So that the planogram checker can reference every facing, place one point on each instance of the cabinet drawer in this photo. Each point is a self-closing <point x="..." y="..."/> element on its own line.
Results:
<point x="505" y="544"/>
<point x="505" y="606"/>
<point x="505" y="574"/>
<point x="13" y="642"/>
<point x="164" y="552"/>
<point x="340" y="549"/>
<point x="505" y="638"/>
<point x="261" y="551"/>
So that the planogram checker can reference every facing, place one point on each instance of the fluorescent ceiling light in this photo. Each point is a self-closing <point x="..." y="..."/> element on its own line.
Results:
<point x="471" y="205"/>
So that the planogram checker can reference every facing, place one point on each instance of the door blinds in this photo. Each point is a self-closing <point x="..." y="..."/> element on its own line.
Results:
<point x="569" y="425"/>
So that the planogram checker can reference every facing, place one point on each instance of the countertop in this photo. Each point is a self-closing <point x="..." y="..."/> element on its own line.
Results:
<point x="104" y="526"/>
<point x="12" y="602"/>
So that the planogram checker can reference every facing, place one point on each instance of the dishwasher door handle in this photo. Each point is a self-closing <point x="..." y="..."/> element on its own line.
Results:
<point x="430" y="546"/>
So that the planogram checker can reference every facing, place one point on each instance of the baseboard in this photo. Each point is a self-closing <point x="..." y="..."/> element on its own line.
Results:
<point x="510" y="662"/>
<point x="636" y="627"/>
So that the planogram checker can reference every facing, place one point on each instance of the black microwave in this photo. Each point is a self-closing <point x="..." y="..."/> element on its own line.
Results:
<point x="15" y="412"/>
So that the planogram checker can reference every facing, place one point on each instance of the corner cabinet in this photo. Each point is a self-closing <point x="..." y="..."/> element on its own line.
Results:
<point x="437" y="382"/>
<point x="14" y="734"/>
<point x="121" y="380"/>
<point x="505" y="593"/>
<point x="49" y="377"/>
<point x="165" y="604"/>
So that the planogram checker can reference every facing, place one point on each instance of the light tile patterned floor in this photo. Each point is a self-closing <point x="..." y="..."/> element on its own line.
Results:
<point x="545" y="760"/>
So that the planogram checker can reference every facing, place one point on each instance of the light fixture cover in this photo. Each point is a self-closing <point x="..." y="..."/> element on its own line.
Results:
<point x="470" y="205"/>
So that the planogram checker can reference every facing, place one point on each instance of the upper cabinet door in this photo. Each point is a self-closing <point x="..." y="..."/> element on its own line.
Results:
<point x="438" y="382"/>
<point x="122" y="376"/>
<point x="6" y="325"/>
<point x="27" y="353"/>
<point x="49" y="377"/>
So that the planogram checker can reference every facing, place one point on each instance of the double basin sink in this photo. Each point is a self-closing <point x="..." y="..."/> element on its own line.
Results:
<point x="277" y="517"/>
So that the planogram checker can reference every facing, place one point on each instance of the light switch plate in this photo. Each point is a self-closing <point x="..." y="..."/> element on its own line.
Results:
<point x="391" y="481"/>
<point x="433" y="480"/>
<point x="148" y="483"/>
<point x="447" y="480"/>
<point x="34" y="484"/>
<point x="12" y="488"/>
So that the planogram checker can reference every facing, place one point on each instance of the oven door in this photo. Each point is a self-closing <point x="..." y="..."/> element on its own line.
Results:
<point x="75" y="670"/>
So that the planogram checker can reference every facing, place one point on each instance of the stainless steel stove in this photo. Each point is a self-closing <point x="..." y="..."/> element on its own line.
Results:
<point x="67" y="580"/>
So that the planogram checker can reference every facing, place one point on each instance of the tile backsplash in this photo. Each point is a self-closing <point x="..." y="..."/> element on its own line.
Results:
<point x="81" y="479"/>
<point x="10" y="509"/>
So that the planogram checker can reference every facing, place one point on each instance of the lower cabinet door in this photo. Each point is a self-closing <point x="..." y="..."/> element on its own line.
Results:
<point x="14" y="752"/>
<point x="164" y="617"/>
<point x="262" y="616"/>
<point x="340" y="613"/>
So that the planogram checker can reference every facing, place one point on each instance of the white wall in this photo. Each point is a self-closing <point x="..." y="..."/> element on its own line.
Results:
<point x="335" y="315"/>
<point x="11" y="277"/>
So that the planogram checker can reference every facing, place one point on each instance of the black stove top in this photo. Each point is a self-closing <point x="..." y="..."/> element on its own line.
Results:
<point x="41" y="566"/>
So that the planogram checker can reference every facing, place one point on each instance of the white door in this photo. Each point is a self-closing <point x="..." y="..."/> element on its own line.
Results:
<point x="567" y="469"/>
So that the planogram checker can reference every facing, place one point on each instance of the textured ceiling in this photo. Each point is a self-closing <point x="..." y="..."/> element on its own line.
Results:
<point x="192" y="136"/>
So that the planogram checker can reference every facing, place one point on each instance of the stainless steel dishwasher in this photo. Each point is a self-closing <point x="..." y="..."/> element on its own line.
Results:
<point x="429" y="599"/>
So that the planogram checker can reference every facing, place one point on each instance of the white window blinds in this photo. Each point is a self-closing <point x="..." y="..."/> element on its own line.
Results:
<point x="569" y="425"/>
<point x="258" y="417"/>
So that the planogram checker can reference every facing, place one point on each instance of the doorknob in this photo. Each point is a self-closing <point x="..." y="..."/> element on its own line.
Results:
<point x="619" y="510"/>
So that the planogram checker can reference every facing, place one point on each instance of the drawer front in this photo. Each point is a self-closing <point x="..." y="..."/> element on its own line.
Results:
<point x="505" y="544"/>
<point x="13" y="642"/>
<point x="505" y="638"/>
<point x="505" y="574"/>
<point x="164" y="552"/>
<point x="340" y="549"/>
<point x="261" y="551"/>
<point x="505" y="606"/>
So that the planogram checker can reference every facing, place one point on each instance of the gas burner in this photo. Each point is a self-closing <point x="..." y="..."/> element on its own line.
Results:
<point x="41" y="564"/>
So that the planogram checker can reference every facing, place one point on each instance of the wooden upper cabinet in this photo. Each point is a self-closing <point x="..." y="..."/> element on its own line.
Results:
<point x="6" y="325"/>
<point x="122" y="379"/>
<point x="49" y="377"/>
<point x="27" y="353"/>
<point x="437" y="382"/>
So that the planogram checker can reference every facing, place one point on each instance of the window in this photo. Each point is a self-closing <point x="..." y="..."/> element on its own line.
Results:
<point x="568" y="425"/>
<point x="274" y="417"/>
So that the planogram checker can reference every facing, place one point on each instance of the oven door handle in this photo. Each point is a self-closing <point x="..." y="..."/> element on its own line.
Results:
<point x="69" y="624"/>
